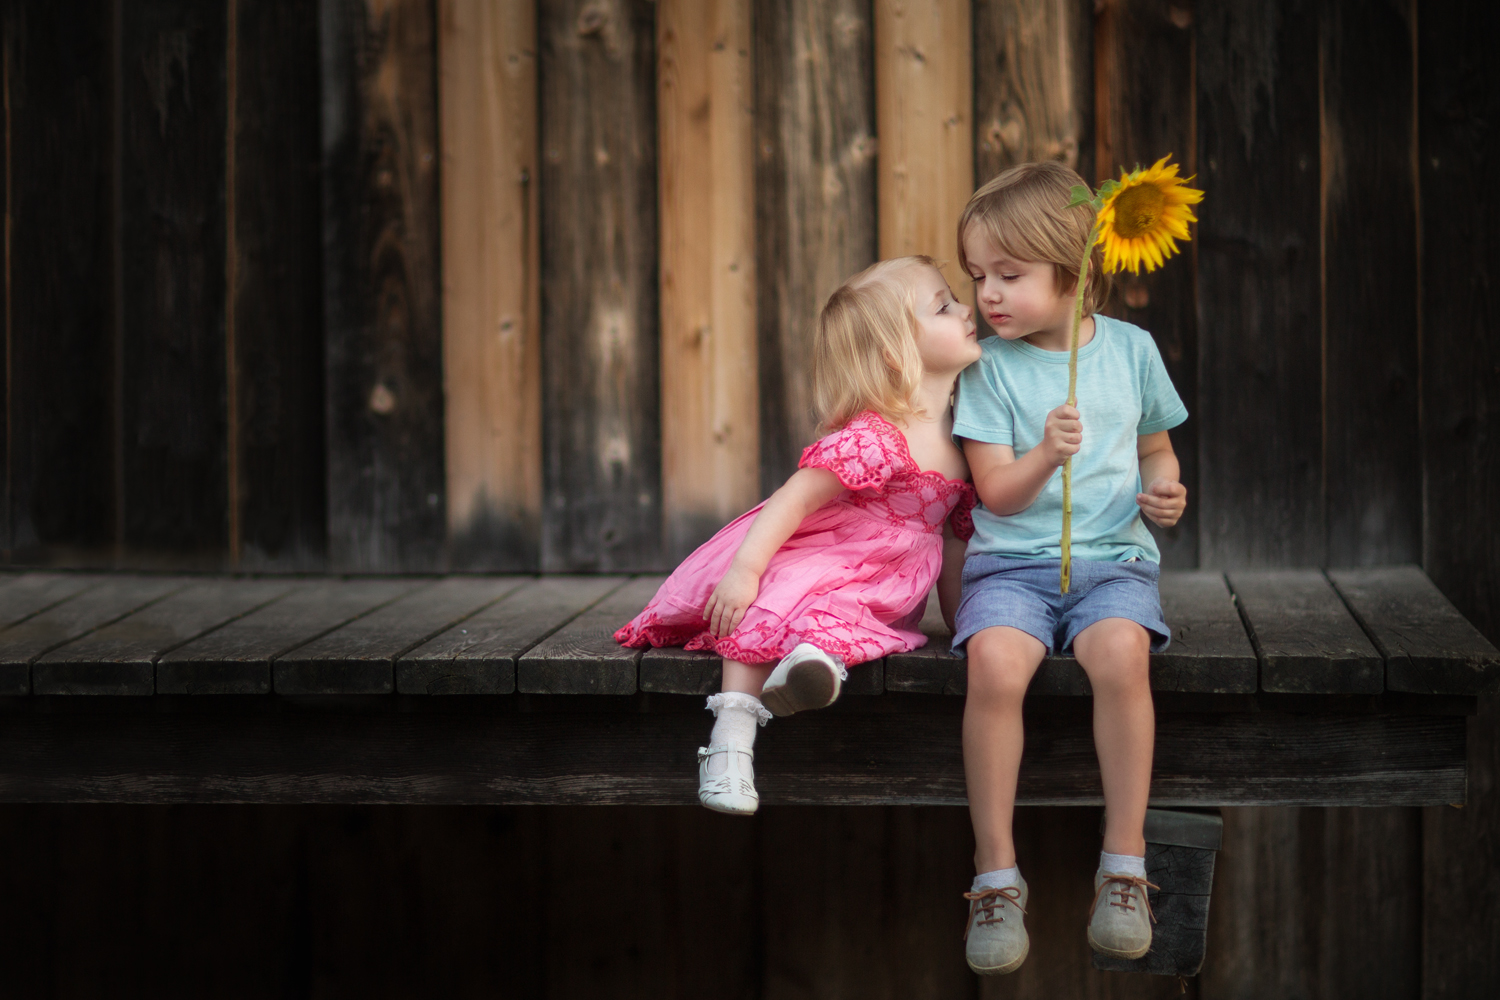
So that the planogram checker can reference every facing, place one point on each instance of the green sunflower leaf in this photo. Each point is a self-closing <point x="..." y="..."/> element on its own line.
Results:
<point x="1080" y="196"/>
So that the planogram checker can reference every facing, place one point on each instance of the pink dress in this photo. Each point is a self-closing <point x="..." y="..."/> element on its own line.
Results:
<point x="854" y="577"/>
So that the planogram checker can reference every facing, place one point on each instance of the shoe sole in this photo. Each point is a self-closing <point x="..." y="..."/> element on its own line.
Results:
<point x="809" y="685"/>
<point x="1007" y="968"/>
<point x="727" y="811"/>
<point x="1112" y="953"/>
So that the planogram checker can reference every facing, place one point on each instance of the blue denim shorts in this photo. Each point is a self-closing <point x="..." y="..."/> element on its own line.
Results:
<point x="1022" y="593"/>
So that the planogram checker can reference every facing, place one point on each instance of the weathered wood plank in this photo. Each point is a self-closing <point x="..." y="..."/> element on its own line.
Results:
<point x="236" y="659"/>
<point x="1306" y="640"/>
<point x="381" y="286"/>
<point x="601" y="396"/>
<point x="599" y="758"/>
<point x="277" y="487"/>
<point x="673" y="670"/>
<point x="1033" y="84"/>
<point x="60" y="85"/>
<point x="119" y="659"/>
<point x="114" y="598"/>
<point x="582" y="657"/>
<point x="480" y="656"/>
<point x="814" y="194"/>
<point x="924" y="110"/>
<point x="24" y="594"/>
<point x="360" y="657"/>
<point x="174" y="438"/>
<point x="492" y="346"/>
<point x="710" y="419"/>
<point x="1428" y="646"/>
<point x="1260" y="410"/>
<point x="1143" y="64"/>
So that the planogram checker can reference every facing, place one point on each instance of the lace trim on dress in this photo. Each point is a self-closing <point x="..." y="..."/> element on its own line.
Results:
<point x="863" y="455"/>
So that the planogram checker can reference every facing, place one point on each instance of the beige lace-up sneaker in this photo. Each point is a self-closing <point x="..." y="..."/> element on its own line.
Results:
<point x="995" y="940"/>
<point x="1121" y="918"/>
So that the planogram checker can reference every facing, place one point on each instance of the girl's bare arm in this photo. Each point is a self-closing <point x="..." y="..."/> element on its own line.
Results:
<point x="951" y="577"/>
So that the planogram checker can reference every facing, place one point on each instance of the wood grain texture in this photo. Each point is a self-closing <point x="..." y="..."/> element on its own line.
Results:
<point x="1428" y="646"/>
<point x="236" y="659"/>
<point x="24" y="594"/>
<point x="492" y="345"/>
<point x="619" y="757"/>
<point x="60" y="263"/>
<point x="360" y="657"/>
<point x="710" y="417"/>
<point x="382" y="307"/>
<point x="119" y="659"/>
<point x="674" y="670"/>
<point x="479" y="655"/>
<point x="815" y="184"/>
<point x="1306" y="640"/>
<point x="1260" y="410"/>
<point x="172" y="244"/>
<point x="1143" y="82"/>
<point x="279" y="486"/>
<point x="1033" y="85"/>
<point x="924" y="112"/>
<point x="582" y="657"/>
<point x="600" y="356"/>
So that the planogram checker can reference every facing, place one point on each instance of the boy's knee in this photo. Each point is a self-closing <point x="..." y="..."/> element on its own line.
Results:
<point x="1001" y="664"/>
<point x="1115" y="652"/>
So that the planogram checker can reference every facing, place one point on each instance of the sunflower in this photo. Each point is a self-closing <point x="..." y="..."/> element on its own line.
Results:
<point x="1144" y="217"/>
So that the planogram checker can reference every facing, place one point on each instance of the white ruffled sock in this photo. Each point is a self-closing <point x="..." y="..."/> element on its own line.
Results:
<point x="736" y="717"/>
<point x="1000" y="878"/>
<point x="1122" y="864"/>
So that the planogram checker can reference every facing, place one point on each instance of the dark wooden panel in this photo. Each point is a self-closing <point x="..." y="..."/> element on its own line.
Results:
<point x="381" y="285"/>
<point x="115" y="598"/>
<point x="1180" y="907"/>
<point x="674" y="670"/>
<point x="479" y="657"/>
<point x="1307" y="641"/>
<point x="815" y="219"/>
<point x="360" y="657"/>
<point x="172" y="214"/>
<point x="276" y="289"/>
<point x="236" y="659"/>
<point x="1260" y="416"/>
<point x="582" y="657"/>
<point x="600" y="399"/>
<point x="1143" y="64"/>
<point x="60" y="100"/>
<point x="23" y="595"/>
<point x="120" y="659"/>
<point x="1210" y="651"/>
<point x="600" y="758"/>
<point x="1428" y="646"/>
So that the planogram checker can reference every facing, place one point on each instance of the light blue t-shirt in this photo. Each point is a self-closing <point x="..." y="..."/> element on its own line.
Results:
<point x="1123" y="392"/>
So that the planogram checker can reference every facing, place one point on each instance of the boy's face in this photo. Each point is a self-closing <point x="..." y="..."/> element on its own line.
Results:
<point x="947" y="339"/>
<point x="1018" y="298"/>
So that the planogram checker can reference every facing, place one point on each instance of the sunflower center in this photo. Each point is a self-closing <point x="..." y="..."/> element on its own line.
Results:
<point x="1137" y="209"/>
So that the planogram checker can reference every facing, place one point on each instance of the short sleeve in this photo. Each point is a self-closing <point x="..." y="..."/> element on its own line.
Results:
<point x="961" y="518"/>
<point x="1161" y="407"/>
<point x="863" y="455"/>
<point x="982" y="408"/>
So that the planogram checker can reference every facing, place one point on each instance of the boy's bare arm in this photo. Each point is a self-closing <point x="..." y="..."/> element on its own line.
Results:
<point x="1164" y="498"/>
<point x="1007" y="484"/>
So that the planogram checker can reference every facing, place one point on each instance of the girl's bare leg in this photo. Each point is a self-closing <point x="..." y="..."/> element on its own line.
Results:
<point x="1001" y="662"/>
<point x="1116" y="654"/>
<point x="748" y="678"/>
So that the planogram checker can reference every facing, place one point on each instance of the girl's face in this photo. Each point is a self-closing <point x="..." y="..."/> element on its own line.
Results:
<point x="1018" y="298"/>
<point x="946" y="336"/>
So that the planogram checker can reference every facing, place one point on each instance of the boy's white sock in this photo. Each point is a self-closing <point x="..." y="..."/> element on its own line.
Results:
<point x="1000" y="878"/>
<point x="736" y="717"/>
<point x="1122" y="864"/>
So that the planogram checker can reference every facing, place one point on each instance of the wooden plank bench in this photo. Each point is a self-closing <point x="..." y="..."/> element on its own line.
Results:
<point x="1281" y="687"/>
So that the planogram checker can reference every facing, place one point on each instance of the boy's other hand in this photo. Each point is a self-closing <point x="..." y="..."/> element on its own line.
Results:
<point x="1163" y="502"/>
<point x="1062" y="434"/>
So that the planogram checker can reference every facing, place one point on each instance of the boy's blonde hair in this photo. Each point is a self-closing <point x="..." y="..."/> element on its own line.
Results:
<point x="1022" y="213"/>
<point x="865" y="353"/>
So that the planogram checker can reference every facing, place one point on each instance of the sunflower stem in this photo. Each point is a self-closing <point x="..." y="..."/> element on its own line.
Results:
<point x="1067" y="473"/>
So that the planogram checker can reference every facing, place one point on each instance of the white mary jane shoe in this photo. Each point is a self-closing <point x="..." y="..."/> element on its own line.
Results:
<point x="733" y="791"/>
<point x="806" y="678"/>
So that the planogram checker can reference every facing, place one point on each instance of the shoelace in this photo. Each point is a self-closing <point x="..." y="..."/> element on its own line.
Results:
<point x="1132" y="884"/>
<point x="996" y="898"/>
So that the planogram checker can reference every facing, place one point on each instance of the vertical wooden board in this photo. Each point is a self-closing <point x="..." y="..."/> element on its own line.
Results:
<point x="1033" y="84"/>
<point x="487" y="66"/>
<point x="1260" y="411"/>
<point x="1143" y="60"/>
<point x="277" y="474"/>
<point x="600" y="379"/>
<point x="381" y="286"/>
<point x="815" y="184"/>
<point x="174" y="437"/>
<point x="1370" y="298"/>
<point x="59" y="306"/>
<point x="710" y="423"/>
<point x="924" y="108"/>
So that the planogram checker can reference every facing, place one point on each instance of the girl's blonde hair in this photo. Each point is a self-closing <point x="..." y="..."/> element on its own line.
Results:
<point x="1022" y="212"/>
<point x="865" y="353"/>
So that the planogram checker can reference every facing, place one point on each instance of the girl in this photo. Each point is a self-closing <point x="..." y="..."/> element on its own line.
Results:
<point x="834" y="569"/>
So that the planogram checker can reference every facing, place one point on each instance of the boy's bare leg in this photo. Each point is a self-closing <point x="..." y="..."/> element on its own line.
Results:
<point x="748" y="678"/>
<point x="1002" y="661"/>
<point x="1116" y="654"/>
